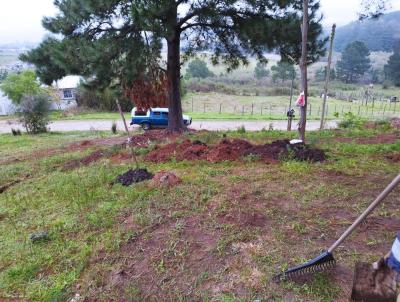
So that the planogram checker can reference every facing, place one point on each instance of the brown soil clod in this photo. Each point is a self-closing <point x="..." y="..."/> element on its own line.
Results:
<point x="133" y="176"/>
<point x="165" y="179"/>
<point x="374" y="285"/>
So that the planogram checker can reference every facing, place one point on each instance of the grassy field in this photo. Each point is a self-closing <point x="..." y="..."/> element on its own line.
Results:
<point x="219" y="235"/>
<point x="218" y="106"/>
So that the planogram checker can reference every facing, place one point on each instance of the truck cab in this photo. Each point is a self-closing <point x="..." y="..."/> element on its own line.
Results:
<point x="154" y="118"/>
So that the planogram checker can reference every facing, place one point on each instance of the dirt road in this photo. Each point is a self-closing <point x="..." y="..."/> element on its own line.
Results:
<point x="87" y="125"/>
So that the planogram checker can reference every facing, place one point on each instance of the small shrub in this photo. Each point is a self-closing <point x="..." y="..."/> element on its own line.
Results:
<point x="15" y="132"/>
<point x="352" y="121"/>
<point x="114" y="128"/>
<point x="35" y="113"/>
<point x="241" y="130"/>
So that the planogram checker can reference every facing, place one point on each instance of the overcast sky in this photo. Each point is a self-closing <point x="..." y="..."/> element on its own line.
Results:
<point x="20" y="20"/>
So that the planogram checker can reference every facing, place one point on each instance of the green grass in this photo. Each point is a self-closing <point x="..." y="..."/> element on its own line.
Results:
<point x="97" y="230"/>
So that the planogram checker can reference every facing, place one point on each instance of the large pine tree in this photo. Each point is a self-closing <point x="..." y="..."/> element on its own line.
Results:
<point x="116" y="41"/>
<point x="354" y="63"/>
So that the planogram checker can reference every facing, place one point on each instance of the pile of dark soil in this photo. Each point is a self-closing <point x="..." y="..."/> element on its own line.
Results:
<point x="133" y="176"/>
<point x="234" y="150"/>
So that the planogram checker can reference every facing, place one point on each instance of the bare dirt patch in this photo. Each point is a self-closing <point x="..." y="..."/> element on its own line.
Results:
<point x="85" y="161"/>
<point x="164" y="262"/>
<point x="231" y="150"/>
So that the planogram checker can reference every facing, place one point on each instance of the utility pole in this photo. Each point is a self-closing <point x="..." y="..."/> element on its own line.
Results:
<point x="303" y="69"/>
<point x="327" y="77"/>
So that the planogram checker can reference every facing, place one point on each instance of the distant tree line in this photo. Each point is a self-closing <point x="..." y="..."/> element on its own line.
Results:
<point x="377" y="34"/>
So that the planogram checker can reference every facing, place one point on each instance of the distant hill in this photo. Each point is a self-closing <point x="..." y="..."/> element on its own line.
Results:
<point x="378" y="35"/>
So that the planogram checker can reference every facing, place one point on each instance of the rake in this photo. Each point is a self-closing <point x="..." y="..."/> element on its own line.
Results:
<point x="326" y="260"/>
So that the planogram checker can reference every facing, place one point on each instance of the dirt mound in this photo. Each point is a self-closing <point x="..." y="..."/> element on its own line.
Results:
<point x="121" y="157"/>
<point x="186" y="150"/>
<point x="85" y="161"/>
<point x="303" y="153"/>
<point x="165" y="179"/>
<point x="234" y="150"/>
<point x="394" y="157"/>
<point x="133" y="176"/>
<point x="228" y="150"/>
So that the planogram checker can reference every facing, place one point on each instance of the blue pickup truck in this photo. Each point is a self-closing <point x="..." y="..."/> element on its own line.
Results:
<point x="154" y="118"/>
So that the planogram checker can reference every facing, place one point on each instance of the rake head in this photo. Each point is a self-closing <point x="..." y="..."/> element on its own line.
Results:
<point x="322" y="262"/>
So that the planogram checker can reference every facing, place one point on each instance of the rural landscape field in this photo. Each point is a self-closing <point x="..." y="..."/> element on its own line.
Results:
<point x="220" y="228"/>
<point x="222" y="151"/>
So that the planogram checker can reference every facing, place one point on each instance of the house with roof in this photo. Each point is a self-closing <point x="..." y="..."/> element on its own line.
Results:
<point x="66" y="92"/>
<point x="66" y="88"/>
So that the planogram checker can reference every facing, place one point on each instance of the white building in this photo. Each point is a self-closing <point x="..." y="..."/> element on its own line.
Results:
<point x="66" y="88"/>
<point x="67" y="91"/>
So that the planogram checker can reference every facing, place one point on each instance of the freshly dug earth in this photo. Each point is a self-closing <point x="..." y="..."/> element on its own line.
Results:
<point x="374" y="285"/>
<point x="87" y="160"/>
<point x="133" y="176"/>
<point x="234" y="150"/>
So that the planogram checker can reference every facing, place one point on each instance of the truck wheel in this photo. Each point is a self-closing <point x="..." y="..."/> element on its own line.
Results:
<point x="146" y="126"/>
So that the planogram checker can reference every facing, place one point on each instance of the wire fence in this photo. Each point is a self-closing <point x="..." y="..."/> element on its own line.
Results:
<point x="372" y="109"/>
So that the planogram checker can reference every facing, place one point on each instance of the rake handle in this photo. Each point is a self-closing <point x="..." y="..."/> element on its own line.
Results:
<point x="372" y="206"/>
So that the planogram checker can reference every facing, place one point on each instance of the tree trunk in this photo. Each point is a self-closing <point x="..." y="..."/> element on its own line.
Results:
<point x="175" y="119"/>
<point x="327" y="77"/>
<point x="303" y="71"/>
